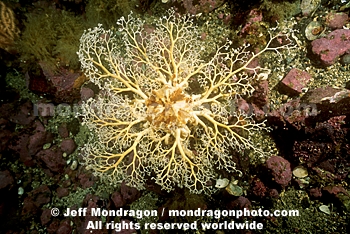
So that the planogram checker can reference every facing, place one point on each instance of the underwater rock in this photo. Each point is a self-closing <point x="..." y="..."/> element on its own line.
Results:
<point x="68" y="146"/>
<point x="6" y="179"/>
<point x="35" y="199"/>
<point x="45" y="216"/>
<point x="240" y="203"/>
<point x="309" y="6"/>
<point x="62" y="192"/>
<point x="315" y="192"/>
<point x="65" y="227"/>
<point x="336" y="20"/>
<point x="118" y="199"/>
<point x="295" y="81"/>
<point x="129" y="194"/>
<point x="52" y="159"/>
<point x="86" y="180"/>
<point x="330" y="48"/>
<point x="280" y="169"/>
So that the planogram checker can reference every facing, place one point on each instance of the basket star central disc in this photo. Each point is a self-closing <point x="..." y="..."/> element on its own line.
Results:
<point x="170" y="109"/>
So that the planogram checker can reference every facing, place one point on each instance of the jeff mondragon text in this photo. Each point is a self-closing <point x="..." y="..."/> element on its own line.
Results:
<point x="217" y="214"/>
